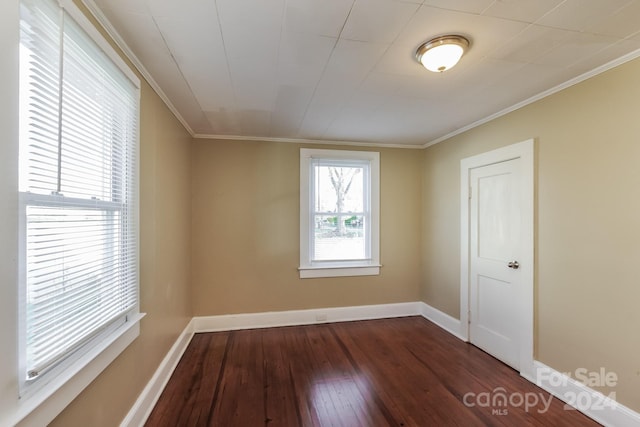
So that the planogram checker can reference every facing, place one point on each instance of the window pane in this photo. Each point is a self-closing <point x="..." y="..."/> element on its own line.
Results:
<point x="97" y="100"/>
<point x="78" y="183"/>
<point x="75" y="278"/>
<point x="339" y="237"/>
<point x="339" y="189"/>
<point x="40" y="28"/>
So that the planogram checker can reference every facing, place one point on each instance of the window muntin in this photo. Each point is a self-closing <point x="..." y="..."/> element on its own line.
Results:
<point x="339" y="213"/>
<point x="78" y="192"/>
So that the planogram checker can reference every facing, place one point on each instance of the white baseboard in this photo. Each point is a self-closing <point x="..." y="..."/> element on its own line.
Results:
<point x="590" y="402"/>
<point x="230" y="322"/>
<point x="143" y="406"/>
<point x="446" y="322"/>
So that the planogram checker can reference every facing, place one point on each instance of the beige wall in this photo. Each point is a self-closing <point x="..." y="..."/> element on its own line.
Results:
<point x="587" y="222"/>
<point x="246" y="232"/>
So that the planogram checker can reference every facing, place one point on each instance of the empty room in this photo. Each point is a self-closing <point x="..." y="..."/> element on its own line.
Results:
<point x="319" y="213"/>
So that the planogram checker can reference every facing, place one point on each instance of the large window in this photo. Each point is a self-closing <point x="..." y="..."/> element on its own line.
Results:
<point x="78" y="194"/>
<point x="339" y="219"/>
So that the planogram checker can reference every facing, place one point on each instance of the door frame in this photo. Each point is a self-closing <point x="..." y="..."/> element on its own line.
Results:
<point x="524" y="151"/>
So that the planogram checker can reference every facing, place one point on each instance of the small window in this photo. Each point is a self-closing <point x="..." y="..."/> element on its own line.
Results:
<point x="339" y="213"/>
<point x="78" y="195"/>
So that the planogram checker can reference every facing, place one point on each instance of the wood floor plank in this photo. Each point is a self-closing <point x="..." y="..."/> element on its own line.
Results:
<point x="192" y="386"/>
<point x="240" y="399"/>
<point x="392" y="372"/>
<point x="301" y="362"/>
<point x="425" y="401"/>
<point x="337" y="385"/>
<point x="281" y="405"/>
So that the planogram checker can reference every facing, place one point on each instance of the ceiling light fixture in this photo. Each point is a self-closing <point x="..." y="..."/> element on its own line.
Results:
<point x="441" y="53"/>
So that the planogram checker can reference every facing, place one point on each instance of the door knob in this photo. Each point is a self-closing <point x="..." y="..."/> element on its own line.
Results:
<point x="514" y="264"/>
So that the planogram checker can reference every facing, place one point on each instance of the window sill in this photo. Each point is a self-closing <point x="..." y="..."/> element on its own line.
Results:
<point x="333" y="271"/>
<point x="41" y="407"/>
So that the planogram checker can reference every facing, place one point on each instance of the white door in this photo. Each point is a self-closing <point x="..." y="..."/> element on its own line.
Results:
<point x="495" y="279"/>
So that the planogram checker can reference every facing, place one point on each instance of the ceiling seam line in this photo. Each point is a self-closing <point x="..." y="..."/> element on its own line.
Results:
<point x="226" y="57"/>
<point x="277" y="84"/>
<point x="415" y="12"/>
<point x="175" y="61"/>
<point x="324" y="68"/>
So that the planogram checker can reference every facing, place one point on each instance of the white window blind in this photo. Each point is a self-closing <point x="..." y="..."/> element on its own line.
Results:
<point x="78" y="190"/>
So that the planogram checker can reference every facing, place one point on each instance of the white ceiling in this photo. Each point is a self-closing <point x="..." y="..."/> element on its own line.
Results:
<point x="344" y="70"/>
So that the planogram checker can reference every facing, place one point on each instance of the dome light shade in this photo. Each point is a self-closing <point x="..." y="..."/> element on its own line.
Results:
<point x="442" y="53"/>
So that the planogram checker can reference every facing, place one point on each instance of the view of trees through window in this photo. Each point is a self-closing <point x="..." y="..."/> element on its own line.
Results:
<point x="339" y="212"/>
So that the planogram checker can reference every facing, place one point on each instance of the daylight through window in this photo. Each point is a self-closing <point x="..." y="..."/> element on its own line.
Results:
<point x="339" y="212"/>
<point x="78" y="191"/>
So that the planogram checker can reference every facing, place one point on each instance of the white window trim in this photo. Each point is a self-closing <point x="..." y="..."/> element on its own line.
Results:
<point x="97" y="37"/>
<point x="345" y="268"/>
<point x="43" y="405"/>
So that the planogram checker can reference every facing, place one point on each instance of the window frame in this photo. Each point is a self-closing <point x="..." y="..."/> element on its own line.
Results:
<point x="314" y="269"/>
<point x="40" y="404"/>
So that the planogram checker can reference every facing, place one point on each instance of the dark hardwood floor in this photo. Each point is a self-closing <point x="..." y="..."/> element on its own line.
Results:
<point x="391" y="372"/>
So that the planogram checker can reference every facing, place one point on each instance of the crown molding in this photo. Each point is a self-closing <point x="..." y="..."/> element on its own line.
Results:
<point x="305" y="141"/>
